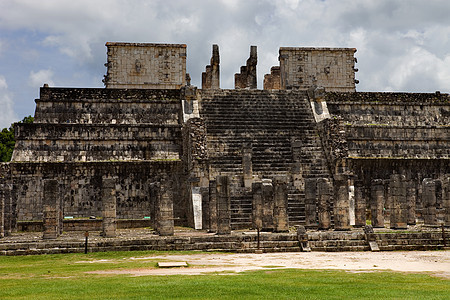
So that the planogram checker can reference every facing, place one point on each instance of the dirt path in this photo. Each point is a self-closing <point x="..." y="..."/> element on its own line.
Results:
<point x="434" y="262"/>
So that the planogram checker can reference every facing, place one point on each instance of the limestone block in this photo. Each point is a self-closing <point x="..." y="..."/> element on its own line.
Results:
<point x="109" y="222"/>
<point x="325" y="196"/>
<point x="377" y="203"/>
<point x="399" y="209"/>
<point x="280" y="216"/>
<point x="429" y="201"/>
<point x="341" y="204"/>
<point x="310" y="202"/>
<point x="223" y="205"/>
<point x="51" y="209"/>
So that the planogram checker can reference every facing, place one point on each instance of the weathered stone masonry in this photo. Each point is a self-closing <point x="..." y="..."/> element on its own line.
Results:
<point x="307" y="150"/>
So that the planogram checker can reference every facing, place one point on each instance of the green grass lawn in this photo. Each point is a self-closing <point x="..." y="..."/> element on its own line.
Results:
<point x="64" y="277"/>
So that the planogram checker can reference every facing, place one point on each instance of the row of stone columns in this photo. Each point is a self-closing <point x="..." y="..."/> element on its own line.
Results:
<point x="270" y="204"/>
<point x="53" y="208"/>
<point x="402" y="195"/>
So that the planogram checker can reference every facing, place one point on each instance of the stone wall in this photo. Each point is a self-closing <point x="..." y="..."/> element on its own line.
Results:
<point x="331" y="68"/>
<point x="107" y="106"/>
<point x="100" y="125"/>
<point x="148" y="66"/>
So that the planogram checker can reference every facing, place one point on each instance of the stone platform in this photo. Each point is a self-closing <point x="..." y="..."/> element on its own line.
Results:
<point x="185" y="239"/>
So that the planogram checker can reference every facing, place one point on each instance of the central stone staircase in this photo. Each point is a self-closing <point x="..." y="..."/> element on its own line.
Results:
<point x="278" y="127"/>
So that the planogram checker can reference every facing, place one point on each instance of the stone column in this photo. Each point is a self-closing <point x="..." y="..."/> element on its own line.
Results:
<point x="446" y="199"/>
<point x="164" y="209"/>
<point x="399" y="209"/>
<point x="351" y="204"/>
<point x="310" y="203"/>
<point x="247" y="166"/>
<point x="341" y="217"/>
<point x="206" y="213"/>
<point x="2" y="210"/>
<point x="411" y="198"/>
<point x="197" y="207"/>
<point x="213" y="216"/>
<point x="7" y="210"/>
<point x="360" y="205"/>
<point x="215" y="68"/>
<point x="268" y="205"/>
<point x="51" y="209"/>
<point x="109" y="224"/>
<point x="223" y="205"/>
<point x="325" y="196"/>
<point x="429" y="201"/>
<point x="377" y="203"/>
<point x="257" y="205"/>
<point x="280" y="199"/>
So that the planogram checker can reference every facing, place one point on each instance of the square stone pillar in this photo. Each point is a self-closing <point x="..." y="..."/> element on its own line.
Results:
<point x="360" y="205"/>
<point x="223" y="205"/>
<point x="325" y="196"/>
<point x="51" y="209"/>
<point x="411" y="198"/>
<point x="109" y="222"/>
<point x="2" y="210"/>
<point x="446" y="199"/>
<point x="8" y="215"/>
<point x="206" y="213"/>
<point x="197" y="207"/>
<point x="247" y="166"/>
<point x="268" y="205"/>
<point x="213" y="216"/>
<point x="377" y="203"/>
<point x="341" y="204"/>
<point x="280" y="199"/>
<point x="429" y="201"/>
<point x="164" y="209"/>
<point x="399" y="208"/>
<point x="310" y="203"/>
<point x="257" y="205"/>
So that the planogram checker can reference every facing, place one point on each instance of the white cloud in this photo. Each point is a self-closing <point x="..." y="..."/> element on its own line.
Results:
<point x="39" y="78"/>
<point x="7" y="115"/>
<point x="383" y="31"/>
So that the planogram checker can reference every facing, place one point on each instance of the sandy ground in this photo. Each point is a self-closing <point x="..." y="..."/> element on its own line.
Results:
<point x="436" y="263"/>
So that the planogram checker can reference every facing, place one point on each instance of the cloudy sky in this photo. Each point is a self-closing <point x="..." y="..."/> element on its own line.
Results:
<point x="402" y="45"/>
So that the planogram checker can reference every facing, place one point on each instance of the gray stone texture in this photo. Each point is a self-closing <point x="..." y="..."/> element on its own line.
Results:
<point x="164" y="208"/>
<point x="211" y="77"/>
<point x="246" y="78"/>
<point x="146" y="66"/>
<point x="268" y="205"/>
<point x="280" y="216"/>
<point x="109" y="222"/>
<point x="360" y="204"/>
<point x="325" y="198"/>
<point x="429" y="201"/>
<point x="272" y="81"/>
<point x="332" y="68"/>
<point x="51" y="209"/>
<point x="341" y="203"/>
<point x="411" y="198"/>
<point x="311" y="202"/>
<point x="223" y="205"/>
<point x="446" y="199"/>
<point x="377" y="199"/>
<point x="399" y="204"/>
<point x="257" y="205"/>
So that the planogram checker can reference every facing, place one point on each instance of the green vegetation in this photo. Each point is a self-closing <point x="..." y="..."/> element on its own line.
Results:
<point x="7" y="140"/>
<point x="64" y="277"/>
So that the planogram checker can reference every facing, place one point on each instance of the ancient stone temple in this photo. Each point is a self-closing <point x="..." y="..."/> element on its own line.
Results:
<point x="306" y="150"/>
